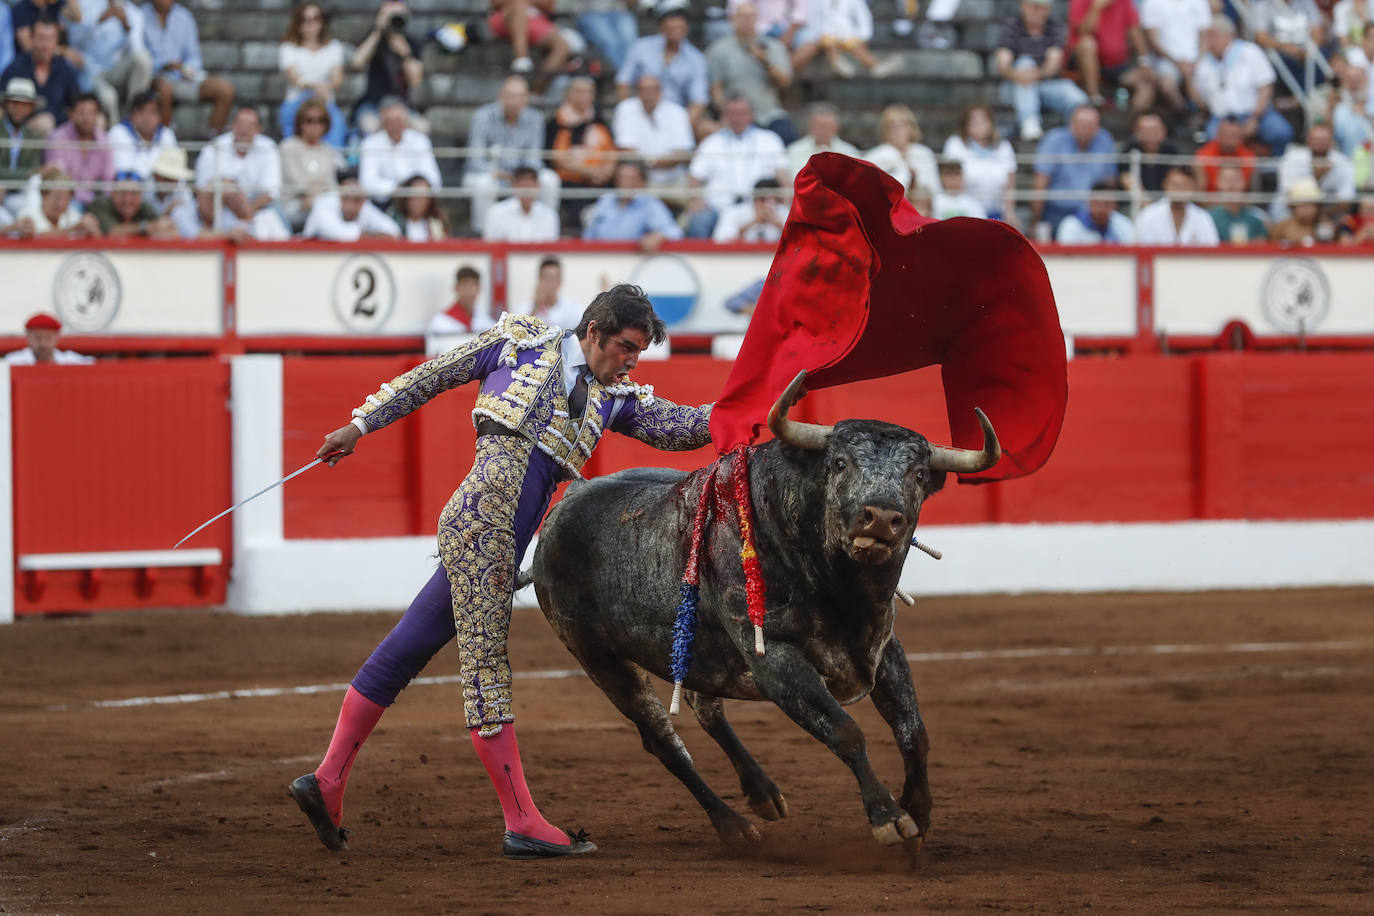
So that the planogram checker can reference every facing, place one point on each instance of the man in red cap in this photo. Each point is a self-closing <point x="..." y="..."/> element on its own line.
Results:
<point x="42" y="330"/>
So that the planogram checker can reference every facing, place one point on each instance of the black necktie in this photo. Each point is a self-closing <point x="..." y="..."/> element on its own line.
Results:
<point x="577" y="401"/>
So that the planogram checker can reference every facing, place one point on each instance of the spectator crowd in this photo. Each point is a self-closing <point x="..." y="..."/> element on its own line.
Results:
<point x="1271" y="121"/>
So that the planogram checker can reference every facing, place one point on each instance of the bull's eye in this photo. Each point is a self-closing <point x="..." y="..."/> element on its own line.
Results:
<point x="841" y="464"/>
<point x="922" y="477"/>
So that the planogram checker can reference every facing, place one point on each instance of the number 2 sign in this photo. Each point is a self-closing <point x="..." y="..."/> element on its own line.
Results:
<point x="364" y="293"/>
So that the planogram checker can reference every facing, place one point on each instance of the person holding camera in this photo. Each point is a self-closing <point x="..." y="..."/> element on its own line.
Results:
<point x="754" y="66"/>
<point x="392" y="61"/>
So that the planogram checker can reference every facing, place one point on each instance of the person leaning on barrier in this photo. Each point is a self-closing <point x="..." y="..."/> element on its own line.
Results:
<point x="251" y="161"/>
<point x="758" y="219"/>
<point x="125" y="213"/>
<point x="1238" y="223"/>
<point x="80" y="149"/>
<point x="347" y="215"/>
<point x="1175" y="219"/>
<point x="522" y="217"/>
<point x="1097" y="222"/>
<point x="628" y="214"/>
<point x="42" y="330"/>
<point x="418" y="213"/>
<point x="54" y="213"/>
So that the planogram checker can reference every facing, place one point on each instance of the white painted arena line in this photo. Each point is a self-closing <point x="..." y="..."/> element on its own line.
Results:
<point x="968" y="655"/>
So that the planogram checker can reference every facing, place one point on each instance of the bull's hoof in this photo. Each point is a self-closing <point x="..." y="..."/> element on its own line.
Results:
<point x="913" y="845"/>
<point x="736" y="831"/>
<point x="770" y="809"/>
<point x="907" y="827"/>
<point x="887" y="834"/>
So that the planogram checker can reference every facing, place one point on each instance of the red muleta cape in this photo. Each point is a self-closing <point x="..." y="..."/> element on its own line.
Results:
<point x="863" y="286"/>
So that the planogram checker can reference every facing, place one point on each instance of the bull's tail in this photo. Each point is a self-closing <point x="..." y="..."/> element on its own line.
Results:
<point x="523" y="579"/>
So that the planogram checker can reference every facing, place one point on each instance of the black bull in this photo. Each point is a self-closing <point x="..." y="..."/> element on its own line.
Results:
<point x="835" y="509"/>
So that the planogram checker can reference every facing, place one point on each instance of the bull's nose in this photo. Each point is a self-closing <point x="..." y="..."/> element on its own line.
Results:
<point x="885" y="524"/>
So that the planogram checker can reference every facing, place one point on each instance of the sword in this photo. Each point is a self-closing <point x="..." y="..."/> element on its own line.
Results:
<point x="270" y="486"/>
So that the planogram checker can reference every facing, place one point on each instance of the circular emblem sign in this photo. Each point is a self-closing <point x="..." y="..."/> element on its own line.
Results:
<point x="671" y="285"/>
<point x="86" y="292"/>
<point x="364" y="293"/>
<point x="1295" y="296"/>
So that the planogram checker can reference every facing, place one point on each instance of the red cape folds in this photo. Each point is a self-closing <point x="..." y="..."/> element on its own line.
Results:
<point x="863" y="286"/>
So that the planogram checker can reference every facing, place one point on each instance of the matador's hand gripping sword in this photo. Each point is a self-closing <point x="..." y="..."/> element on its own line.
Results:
<point x="296" y="473"/>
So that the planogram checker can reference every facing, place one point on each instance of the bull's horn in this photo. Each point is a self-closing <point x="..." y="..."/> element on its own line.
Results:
<point x="967" y="461"/>
<point x="794" y="432"/>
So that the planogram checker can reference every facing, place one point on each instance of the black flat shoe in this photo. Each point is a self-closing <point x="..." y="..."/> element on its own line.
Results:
<point x="518" y="846"/>
<point x="306" y="792"/>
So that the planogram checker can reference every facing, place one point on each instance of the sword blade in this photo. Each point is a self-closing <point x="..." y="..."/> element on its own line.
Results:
<point x="270" y="486"/>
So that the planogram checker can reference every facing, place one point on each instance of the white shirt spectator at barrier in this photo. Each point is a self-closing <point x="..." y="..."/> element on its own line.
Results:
<point x="654" y="136"/>
<point x="384" y="163"/>
<point x="1231" y="86"/>
<point x="328" y="223"/>
<point x="799" y="152"/>
<point x="750" y="222"/>
<point x="730" y="164"/>
<point x="25" y="357"/>
<point x="1337" y="181"/>
<point x="1155" y="226"/>
<point x="256" y="172"/>
<point x="507" y="221"/>
<point x="1073" y="231"/>
<point x="134" y="154"/>
<point x="70" y="218"/>
<point x="948" y="206"/>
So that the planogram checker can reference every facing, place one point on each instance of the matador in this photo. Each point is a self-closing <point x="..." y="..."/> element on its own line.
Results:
<point x="546" y="397"/>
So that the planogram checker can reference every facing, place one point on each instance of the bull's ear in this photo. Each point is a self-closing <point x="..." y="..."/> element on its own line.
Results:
<point x="935" y="483"/>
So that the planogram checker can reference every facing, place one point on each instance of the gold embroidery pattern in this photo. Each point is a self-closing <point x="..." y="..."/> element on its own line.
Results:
<point x="671" y="427"/>
<point x="418" y="386"/>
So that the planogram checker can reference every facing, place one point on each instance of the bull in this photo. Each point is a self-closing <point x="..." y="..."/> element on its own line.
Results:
<point x="835" y="509"/>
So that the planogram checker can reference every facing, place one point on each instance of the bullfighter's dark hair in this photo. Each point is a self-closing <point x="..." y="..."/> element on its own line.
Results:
<point x="623" y="306"/>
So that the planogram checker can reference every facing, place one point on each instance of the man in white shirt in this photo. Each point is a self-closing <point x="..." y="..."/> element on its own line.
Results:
<point x="251" y="161"/>
<point x="822" y="136"/>
<point x="1174" y="219"/>
<point x="522" y="217"/>
<point x="549" y="302"/>
<point x="1173" y="29"/>
<point x="347" y="215"/>
<point x="42" y="330"/>
<point x="1234" y="78"/>
<point x="1332" y="170"/>
<point x="729" y="163"/>
<point x="658" y="130"/>
<point x="757" y="220"/>
<point x="395" y="153"/>
<point x="952" y="200"/>
<point x="136" y="142"/>
<point x="1099" y="222"/>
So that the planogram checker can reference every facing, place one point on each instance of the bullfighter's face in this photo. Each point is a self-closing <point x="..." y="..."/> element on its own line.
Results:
<point x="611" y="357"/>
<point x="877" y="475"/>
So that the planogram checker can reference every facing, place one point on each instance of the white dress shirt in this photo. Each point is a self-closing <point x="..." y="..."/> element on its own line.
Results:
<point x="574" y="361"/>
<point x="1155" y="226"/>
<point x="25" y="357"/>
<point x="257" y="172"/>
<point x="134" y="154"/>
<point x="326" y="221"/>
<point x="507" y="221"/>
<point x="729" y="165"/>
<point x="382" y="165"/>
<point x="918" y="165"/>
<point x="1231" y="85"/>
<point x="654" y="136"/>
<point x="737" y="224"/>
<point x="800" y="151"/>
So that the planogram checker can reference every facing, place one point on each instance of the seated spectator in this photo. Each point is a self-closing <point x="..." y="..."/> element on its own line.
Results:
<point x="461" y="317"/>
<point x="505" y="135"/>
<point x="418" y="212"/>
<point x="1285" y="27"/>
<point x="989" y="164"/>
<point x="55" y="212"/>
<point x="1084" y="135"/>
<point x="846" y="28"/>
<point x="346" y="215"/>
<point x="1319" y="160"/>
<point x="952" y="200"/>
<point x="1097" y="222"/>
<point x="1349" y="19"/>
<point x="1358" y="228"/>
<point x="24" y="13"/>
<point x="178" y="72"/>
<point x="42" y="330"/>
<point x="314" y="66"/>
<point x="55" y="79"/>
<point x="135" y="142"/>
<point x="583" y="148"/>
<point x="1352" y="115"/>
<point x="610" y="27"/>
<point x="1175" y="219"/>
<point x="790" y="22"/>
<point x="109" y="36"/>
<point x="1151" y="137"/>
<point x="309" y="166"/>
<point x="822" y="136"/>
<point x="391" y="59"/>
<point x="1234" y="78"/>
<point x="125" y="214"/>
<point x="657" y="130"/>
<point x="756" y="220"/>
<point x="1226" y="148"/>
<point x="1362" y="56"/>
<point x="758" y="68"/>
<point x="628" y="214"/>
<point x="525" y="23"/>
<point x="250" y="160"/>
<point x="549" y="303"/>
<point x="1106" y="41"/>
<point x="1173" y="29"/>
<point x="80" y="149"/>
<point x="729" y="163"/>
<point x="395" y="153"/>
<point x="901" y="154"/>
<point x="679" y="66"/>
<point x="20" y="155"/>
<point x="522" y="217"/>
<point x="1304" y="225"/>
<point x="1238" y="222"/>
<point x="172" y="197"/>
<point x="1029" y="55"/>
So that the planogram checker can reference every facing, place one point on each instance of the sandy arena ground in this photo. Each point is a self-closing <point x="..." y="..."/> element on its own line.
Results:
<point x="1158" y="763"/>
